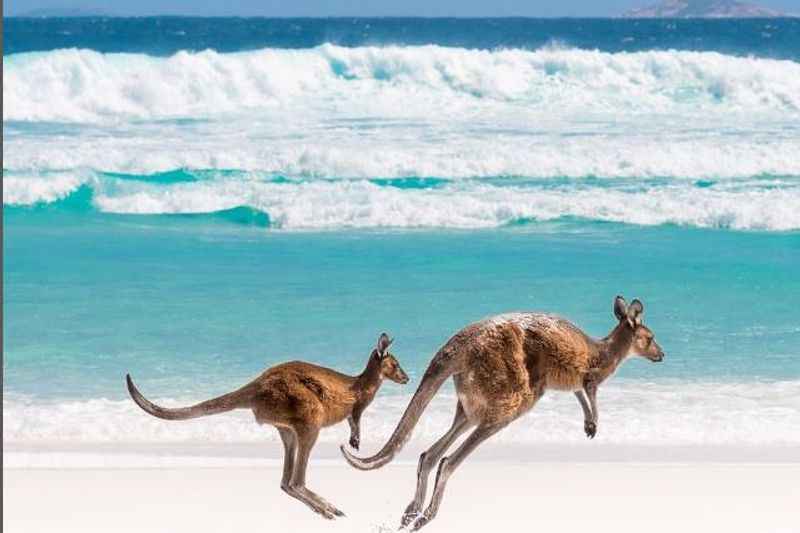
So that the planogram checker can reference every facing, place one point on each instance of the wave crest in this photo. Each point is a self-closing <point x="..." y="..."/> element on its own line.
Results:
<point x="77" y="85"/>
<point x="280" y="203"/>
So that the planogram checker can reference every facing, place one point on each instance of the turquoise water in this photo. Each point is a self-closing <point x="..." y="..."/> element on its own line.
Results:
<point x="190" y="306"/>
<point x="193" y="216"/>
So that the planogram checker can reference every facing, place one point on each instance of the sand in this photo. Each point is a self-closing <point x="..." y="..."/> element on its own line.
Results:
<point x="482" y="496"/>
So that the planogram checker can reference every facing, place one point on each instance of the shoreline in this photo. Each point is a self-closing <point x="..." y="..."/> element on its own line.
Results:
<point x="269" y="454"/>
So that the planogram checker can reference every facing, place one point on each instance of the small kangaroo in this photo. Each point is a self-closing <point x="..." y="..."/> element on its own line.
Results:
<point x="299" y="399"/>
<point x="501" y="366"/>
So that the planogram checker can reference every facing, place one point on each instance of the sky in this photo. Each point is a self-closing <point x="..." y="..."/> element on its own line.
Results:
<point x="323" y="8"/>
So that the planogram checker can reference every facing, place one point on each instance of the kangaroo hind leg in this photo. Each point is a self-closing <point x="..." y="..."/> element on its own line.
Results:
<point x="428" y="459"/>
<point x="289" y="456"/>
<point x="306" y="437"/>
<point x="449" y="464"/>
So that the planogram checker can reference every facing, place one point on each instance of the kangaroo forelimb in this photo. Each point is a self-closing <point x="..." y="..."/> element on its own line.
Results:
<point x="590" y="424"/>
<point x="355" y="429"/>
<point x="588" y="416"/>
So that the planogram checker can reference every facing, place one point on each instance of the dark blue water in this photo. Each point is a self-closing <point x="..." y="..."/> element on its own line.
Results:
<point x="776" y="38"/>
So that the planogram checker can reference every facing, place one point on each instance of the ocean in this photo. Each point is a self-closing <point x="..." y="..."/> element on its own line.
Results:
<point x="194" y="200"/>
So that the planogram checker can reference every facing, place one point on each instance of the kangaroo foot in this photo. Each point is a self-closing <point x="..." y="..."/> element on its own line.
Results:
<point x="302" y="494"/>
<point x="410" y="514"/>
<point x="421" y="522"/>
<point x="325" y="513"/>
<point x="590" y="428"/>
<point x="334" y="510"/>
<point x="428" y="515"/>
<point x="319" y="509"/>
<point x="325" y="504"/>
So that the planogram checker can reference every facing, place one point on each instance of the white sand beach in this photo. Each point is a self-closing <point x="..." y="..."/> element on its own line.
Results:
<point x="484" y="495"/>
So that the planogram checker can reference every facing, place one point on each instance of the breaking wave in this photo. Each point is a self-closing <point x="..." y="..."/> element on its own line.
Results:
<point x="334" y="137"/>
<point x="351" y="152"/>
<point x="78" y="85"/>
<point x="767" y="204"/>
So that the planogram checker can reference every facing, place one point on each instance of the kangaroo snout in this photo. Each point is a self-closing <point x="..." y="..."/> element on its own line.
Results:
<point x="400" y="377"/>
<point x="658" y="356"/>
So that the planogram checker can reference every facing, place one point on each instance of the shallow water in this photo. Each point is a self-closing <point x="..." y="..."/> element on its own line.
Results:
<point x="193" y="308"/>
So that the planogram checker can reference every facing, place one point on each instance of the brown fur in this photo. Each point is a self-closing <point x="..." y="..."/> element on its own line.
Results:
<point x="299" y="399"/>
<point x="501" y="367"/>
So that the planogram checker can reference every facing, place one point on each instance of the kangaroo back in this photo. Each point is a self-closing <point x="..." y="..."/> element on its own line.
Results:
<point x="240" y="398"/>
<point x="440" y="368"/>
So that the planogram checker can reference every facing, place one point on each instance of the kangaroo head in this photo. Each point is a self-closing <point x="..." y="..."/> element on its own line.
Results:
<point x="643" y="343"/>
<point x="390" y="367"/>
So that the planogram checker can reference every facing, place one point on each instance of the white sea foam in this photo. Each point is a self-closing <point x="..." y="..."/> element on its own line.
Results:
<point x="83" y="85"/>
<point x="769" y="205"/>
<point x="31" y="188"/>
<point x="726" y="147"/>
<point x="405" y="111"/>
<point x="632" y="413"/>
<point x="393" y="112"/>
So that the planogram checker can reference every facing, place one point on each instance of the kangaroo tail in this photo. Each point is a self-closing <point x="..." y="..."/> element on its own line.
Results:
<point x="227" y="402"/>
<point x="437" y="373"/>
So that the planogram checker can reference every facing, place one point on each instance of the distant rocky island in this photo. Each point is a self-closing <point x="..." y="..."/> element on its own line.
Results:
<point x="702" y="9"/>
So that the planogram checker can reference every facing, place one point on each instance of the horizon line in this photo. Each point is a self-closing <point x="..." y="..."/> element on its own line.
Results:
<point x="434" y="17"/>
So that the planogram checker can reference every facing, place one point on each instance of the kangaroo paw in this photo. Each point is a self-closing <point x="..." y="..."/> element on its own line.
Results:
<point x="590" y="428"/>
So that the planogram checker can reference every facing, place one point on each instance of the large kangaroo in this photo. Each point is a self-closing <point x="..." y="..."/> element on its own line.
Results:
<point x="501" y="367"/>
<point x="299" y="399"/>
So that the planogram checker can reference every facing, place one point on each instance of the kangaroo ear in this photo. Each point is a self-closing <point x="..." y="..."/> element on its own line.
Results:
<point x="383" y="344"/>
<point x="635" y="311"/>
<point x="620" y="308"/>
